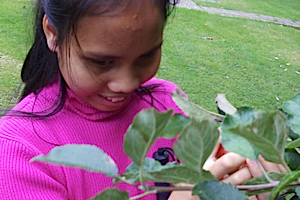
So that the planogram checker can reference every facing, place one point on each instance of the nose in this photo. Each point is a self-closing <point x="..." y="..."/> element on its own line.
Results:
<point x="124" y="81"/>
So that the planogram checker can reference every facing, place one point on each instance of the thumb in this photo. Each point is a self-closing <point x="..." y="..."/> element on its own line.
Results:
<point x="212" y="157"/>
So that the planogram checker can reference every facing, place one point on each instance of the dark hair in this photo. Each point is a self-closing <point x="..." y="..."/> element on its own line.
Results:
<point x="41" y="65"/>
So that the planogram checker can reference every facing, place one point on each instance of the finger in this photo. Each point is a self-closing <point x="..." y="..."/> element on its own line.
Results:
<point x="268" y="166"/>
<point x="179" y="195"/>
<point x="227" y="164"/>
<point x="253" y="168"/>
<point x="252" y="198"/>
<point x="263" y="196"/>
<point x="212" y="157"/>
<point x="282" y="169"/>
<point x="239" y="177"/>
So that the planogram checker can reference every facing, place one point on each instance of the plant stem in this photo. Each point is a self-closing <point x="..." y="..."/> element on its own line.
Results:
<point x="142" y="195"/>
<point x="264" y="172"/>
<point x="160" y="189"/>
<point x="125" y="181"/>
<point x="249" y="188"/>
<point x="286" y="166"/>
<point x="212" y="113"/>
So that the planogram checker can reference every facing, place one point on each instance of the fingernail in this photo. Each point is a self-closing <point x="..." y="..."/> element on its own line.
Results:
<point x="251" y="162"/>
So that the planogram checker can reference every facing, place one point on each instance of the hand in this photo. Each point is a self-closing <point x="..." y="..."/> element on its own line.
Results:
<point x="256" y="171"/>
<point x="229" y="163"/>
<point x="232" y="168"/>
<point x="183" y="195"/>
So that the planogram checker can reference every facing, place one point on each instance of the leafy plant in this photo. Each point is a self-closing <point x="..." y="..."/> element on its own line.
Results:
<point x="245" y="131"/>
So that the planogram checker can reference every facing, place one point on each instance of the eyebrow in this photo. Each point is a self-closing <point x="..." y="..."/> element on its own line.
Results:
<point x="107" y="56"/>
<point x="153" y="49"/>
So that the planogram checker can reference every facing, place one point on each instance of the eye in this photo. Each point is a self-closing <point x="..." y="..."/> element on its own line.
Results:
<point x="102" y="63"/>
<point x="148" y="55"/>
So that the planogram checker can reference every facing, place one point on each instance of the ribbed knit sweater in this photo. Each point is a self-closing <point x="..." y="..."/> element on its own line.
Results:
<point x="22" y="138"/>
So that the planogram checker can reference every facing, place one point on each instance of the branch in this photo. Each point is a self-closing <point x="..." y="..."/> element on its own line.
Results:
<point x="144" y="194"/>
<point x="264" y="172"/>
<point x="252" y="188"/>
<point x="248" y="188"/>
<point x="126" y="181"/>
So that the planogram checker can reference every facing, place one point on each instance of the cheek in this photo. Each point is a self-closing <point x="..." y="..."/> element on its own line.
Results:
<point x="80" y="79"/>
<point x="151" y="71"/>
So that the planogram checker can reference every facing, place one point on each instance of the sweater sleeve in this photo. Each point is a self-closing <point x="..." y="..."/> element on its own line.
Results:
<point x="21" y="179"/>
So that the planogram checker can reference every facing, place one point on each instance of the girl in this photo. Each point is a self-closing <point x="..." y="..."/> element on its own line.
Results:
<point x="88" y="73"/>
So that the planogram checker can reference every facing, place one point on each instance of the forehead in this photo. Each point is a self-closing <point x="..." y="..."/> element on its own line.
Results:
<point x="140" y="24"/>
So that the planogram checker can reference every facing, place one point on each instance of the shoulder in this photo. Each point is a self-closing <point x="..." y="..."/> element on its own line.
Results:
<point x="18" y="126"/>
<point x="162" y="85"/>
<point x="161" y="91"/>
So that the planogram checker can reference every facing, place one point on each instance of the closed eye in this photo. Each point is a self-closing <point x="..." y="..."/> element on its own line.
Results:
<point x="152" y="51"/>
<point x="102" y="62"/>
<point x="149" y="54"/>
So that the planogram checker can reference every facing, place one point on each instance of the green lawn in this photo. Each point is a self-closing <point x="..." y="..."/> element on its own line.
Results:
<point x="253" y="63"/>
<point x="289" y="9"/>
<point x="15" y="29"/>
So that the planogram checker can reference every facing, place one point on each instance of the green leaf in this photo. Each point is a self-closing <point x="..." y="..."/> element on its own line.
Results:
<point x="175" y="126"/>
<point x="214" y="190"/>
<point x="192" y="110"/>
<point x="292" y="108"/>
<point x="294" y="144"/>
<point x="83" y="156"/>
<point x="297" y="190"/>
<point x="288" y="178"/>
<point x="238" y="144"/>
<point x="172" y="172"/>
<point x="294" y="124"/>
<point x="262" y="179"/>
<point x="292" y="134"/>
<point x="147" y="126"/>
<point x="266" y="133"/>
<point x="224" y="105"/>
<point x="112" y="194"/>
<point x="292" y="158"/>
<point x="196" y="144"/>
<point x="179" y="174"/>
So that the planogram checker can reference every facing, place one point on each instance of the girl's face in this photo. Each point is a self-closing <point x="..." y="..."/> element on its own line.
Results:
<point x="117" y="54"/>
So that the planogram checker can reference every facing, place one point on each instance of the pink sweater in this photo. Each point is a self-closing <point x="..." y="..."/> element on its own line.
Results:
<point x="22" y="138"/>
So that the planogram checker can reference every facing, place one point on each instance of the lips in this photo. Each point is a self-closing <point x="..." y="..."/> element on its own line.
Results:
<point x="115" y="99"/>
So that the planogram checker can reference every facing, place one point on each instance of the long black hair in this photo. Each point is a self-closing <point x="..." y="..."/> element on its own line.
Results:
<point x="40" y="67"/>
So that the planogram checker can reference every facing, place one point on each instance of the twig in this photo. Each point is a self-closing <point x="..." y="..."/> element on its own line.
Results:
<point x="249" y="188"/>
<point x="126" y="181"/>
<point x="252" y="188"/>
<point x="264" y="172"/>
<point x="286" y="166"/>
<point x="160" y="189"/>
<point x="144" y="194"/>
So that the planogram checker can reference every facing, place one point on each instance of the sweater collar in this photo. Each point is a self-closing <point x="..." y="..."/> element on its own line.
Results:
<point x="75" y="105"/>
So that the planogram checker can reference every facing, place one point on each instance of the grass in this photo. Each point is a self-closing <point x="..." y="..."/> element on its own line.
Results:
<point x="241" y="60"/>
<point x="9" y="81"/>
<point x="289" y="9"/>
<point x="15" y="28"/>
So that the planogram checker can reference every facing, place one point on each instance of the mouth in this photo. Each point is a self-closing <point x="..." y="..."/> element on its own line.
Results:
<point x="115" y="99"/>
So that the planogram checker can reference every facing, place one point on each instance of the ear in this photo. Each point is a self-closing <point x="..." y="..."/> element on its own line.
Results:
<point x="50" y="33"/>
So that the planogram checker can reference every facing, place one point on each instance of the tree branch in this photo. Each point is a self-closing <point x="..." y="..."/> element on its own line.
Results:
<point x="249" y="188"/>
<point x="144" y="194"/>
